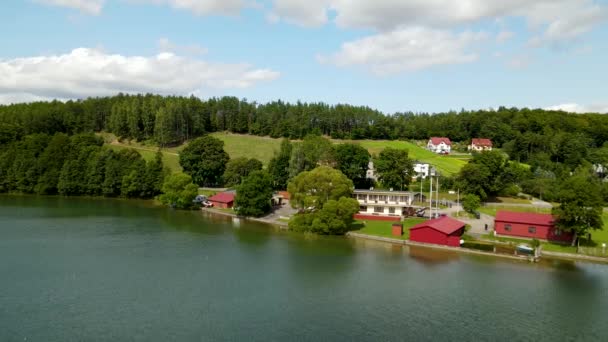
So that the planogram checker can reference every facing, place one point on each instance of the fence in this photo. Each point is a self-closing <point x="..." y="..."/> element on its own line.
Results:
<point x="594" y="251"/>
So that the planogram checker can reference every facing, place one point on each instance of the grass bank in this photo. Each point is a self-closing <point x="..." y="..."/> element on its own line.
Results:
<point x="383" y="228"/>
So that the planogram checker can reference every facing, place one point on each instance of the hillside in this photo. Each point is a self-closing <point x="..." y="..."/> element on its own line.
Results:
<point x="263" y="149"/>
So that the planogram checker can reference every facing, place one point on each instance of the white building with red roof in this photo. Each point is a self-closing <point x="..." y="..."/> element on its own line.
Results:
<point x="480" y="144"/>
<point x="440" y="145"/>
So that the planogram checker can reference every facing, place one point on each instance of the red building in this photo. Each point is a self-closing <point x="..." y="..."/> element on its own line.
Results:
<point x="222" y="200"/>
<point x="529" y="225"/>
<point x="440" y="231"/>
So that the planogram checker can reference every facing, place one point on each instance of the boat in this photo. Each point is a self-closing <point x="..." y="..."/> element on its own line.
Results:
<point x="524" y="249"/>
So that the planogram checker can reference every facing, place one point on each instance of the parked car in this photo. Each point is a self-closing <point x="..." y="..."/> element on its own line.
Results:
<point x="207" y="204"/>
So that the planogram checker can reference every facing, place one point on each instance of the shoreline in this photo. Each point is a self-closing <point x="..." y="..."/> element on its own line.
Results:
<point x="279" y="224"/>
<point x="355" y="235"/>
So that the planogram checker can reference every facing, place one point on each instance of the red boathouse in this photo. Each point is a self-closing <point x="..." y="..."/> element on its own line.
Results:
<point x="440" y="231"/>
<point x="529" y="225"/>
<point x="222" y="200"/>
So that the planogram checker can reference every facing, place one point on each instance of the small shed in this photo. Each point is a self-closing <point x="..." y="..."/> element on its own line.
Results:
<point x="440" y="231"/>
<point x="223" y="200"/>
<point x="397" y="229"/>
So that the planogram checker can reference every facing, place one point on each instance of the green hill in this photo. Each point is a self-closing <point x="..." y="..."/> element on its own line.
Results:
<point x="263" y="149"/>
<point x="447" y="165"/>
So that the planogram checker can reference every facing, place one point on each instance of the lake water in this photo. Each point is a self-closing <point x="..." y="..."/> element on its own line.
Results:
<point x="111" y="270"/>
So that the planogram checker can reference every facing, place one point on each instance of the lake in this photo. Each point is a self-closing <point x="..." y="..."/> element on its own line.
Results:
<point x="118" y="270"/>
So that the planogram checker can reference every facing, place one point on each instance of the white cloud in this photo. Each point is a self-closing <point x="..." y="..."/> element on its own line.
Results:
<point x="311" y="13"/>
<point x="406" y="50"/>
<point x="206" y="7"/>
<point x="91" y="72"/>
<point x="86" y="6"/>
<point x="578" y="108"/>
<point x="557" y="19"/>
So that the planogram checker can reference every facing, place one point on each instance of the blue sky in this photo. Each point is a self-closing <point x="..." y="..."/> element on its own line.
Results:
<point x="394" y="55"/>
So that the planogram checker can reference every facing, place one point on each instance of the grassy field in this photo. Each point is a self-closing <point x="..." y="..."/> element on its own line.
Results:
<point x="170" y="160"/>
<point x="447" y="165"/>
<point x="263" y="149"/>
<point x="250" y="146"/>
<point x="548" y="246"/>
<point x="383" y="228"/>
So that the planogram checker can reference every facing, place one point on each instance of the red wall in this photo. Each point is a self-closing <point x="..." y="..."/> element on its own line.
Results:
<point x="430" y="235"/>
<point x="542" y="232"/>
<point x="376" y="217"/>
<point x="222" y="205"/>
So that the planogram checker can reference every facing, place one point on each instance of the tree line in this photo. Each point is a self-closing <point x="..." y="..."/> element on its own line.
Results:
<point x="525" y="134"/>
<point x="77" y="165"/>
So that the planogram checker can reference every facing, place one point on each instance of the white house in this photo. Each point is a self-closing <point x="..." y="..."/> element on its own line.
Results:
<point x="371" y="172"/>
<point x="439" y="145"/>
<point x="421" y="170"/>
<point x="480" y="144"/>
<point x="382" y="203"/>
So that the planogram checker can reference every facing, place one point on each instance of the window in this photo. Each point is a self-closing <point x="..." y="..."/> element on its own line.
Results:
<point x="532" y="230"/>
<point x="391" y="210"/>
<point x="507" y="227"/>
<point x="363" y="208"/>
<point x="378" y="209"/>
<point x="557" y="232"/>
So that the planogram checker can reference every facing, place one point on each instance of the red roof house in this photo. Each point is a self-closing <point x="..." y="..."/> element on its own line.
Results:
<point x="529" y="225"/>
<point x="222" y="200"/>
<point x="440" y="231"/>
<point x="480" y="144"/>
<point x="439" y="145"/>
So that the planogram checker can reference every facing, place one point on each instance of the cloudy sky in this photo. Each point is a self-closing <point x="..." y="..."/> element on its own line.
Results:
<point x="394" y="55"/>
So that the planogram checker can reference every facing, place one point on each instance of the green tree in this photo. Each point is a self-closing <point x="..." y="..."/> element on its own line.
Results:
<point x="178" y="191"/>
<point x="311" y="189"/>
<point x="254" y="195"/>
<point x="51" y="161"/>
<point x="239" y="168"/>
<point x="470" y="203"/>
<point x="133" y="182"/>
<point x="278" y="167"/>
<point x="317" y="150"/>
<point x="335" y="218"/>
<point x="394" y="168"/>
<point x="154" y="176"/>
<point x="205" y="160"/>
<point x="580" y="208"/>
<point x="352" y="160"/>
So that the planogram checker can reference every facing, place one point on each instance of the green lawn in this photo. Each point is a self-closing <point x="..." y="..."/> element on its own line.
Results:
<point x="601" y="236"/>
<point x="383" y="228"/>
<point x="250" y="146"/>
<point x="447" y="165"/>
<point x="170" y="160"/>
<point x="547" y="246"/>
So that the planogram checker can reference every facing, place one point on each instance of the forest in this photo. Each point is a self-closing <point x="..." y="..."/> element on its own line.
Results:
<point x="553" y="143"/>
<point x="525" y="134"/>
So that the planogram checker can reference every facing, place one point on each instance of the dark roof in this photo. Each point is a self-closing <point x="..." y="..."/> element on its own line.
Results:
<point x="527" y="218"/>
<point x="445" y="224"/>
<point x="439" y="140"/>
<point x="481" y="142"/>
<point x="222" y="197"/>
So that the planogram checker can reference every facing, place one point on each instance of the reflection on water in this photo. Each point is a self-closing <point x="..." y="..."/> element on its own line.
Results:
<point x="432" y="257"/>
